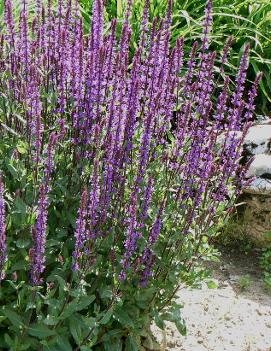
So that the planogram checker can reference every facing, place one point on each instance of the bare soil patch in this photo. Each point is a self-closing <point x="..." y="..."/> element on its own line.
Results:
<point x="236" y="316"/>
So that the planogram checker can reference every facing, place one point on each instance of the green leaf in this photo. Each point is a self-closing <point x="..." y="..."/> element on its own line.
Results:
<point x="22" y="243"/>
<point x="267" y="235"/>
<point x="14" y="285"/>
<point x="123" y="317"/>
<point x="174" y="315"/>
<point x="9" y="340"/>
<point x="50" y="320"/>
<point x="60" y="280"/>
<point x="106" y="318"/>
<point x="41" y="331"/>
<point x="113" y="333"/>
<point x="22" y="147"/>
<point x="131" y="343"/>
<point x="29" y="343"/>
<point x="106" y="293"/>
<point x="75" y="329"/>
<point x="211" y="284"/>
<point x="119" y="8"/>
<point x="144" y="297"/>
<point x="159" y="322"/>
<point x="13" y="171"/>
<point x="76" y="305"/>
<point x="14" y="318"/>
<point x="30" y="305"/>
<point x="113" y="345"/>
<point x="63" y="344"/>
<point x="20" y="206"/>
<point x="84" y="301"/>
<point x="180" y="325"/>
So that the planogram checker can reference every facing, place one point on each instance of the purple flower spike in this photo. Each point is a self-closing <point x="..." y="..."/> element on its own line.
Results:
<point x="3" y="244"/>
<point x="80" y="232"/>
<point x="225" y="53"/>
<point x="10" y="24"/>
<point x="97" y="24"/>
<point x="237" y="97"/>
<point x="49" y="162"/>
<point x="252" y="96"/>
<point x="37" y="252"/>
<point x="207" y="25"/>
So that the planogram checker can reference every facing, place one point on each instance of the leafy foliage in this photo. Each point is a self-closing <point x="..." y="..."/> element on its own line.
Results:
<point x="265" y="262"/>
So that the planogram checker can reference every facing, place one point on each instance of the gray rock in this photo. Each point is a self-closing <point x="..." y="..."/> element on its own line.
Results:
<point x="258" y="139"/>
<point x="259" y="186"/>
<point x="260" y="167"/>
<point x="255" y="216"/>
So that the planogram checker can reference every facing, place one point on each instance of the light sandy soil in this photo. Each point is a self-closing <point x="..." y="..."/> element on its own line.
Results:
<point x="227" y="318"/>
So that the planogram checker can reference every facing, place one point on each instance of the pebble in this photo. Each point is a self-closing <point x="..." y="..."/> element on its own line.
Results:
<point x="259" y="312"/>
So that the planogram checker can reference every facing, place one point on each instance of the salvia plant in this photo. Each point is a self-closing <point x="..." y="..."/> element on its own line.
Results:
<point x="116" y="172"/>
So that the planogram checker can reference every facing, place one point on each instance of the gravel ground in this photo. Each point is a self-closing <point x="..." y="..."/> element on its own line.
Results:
<point x="227" y="318"/>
